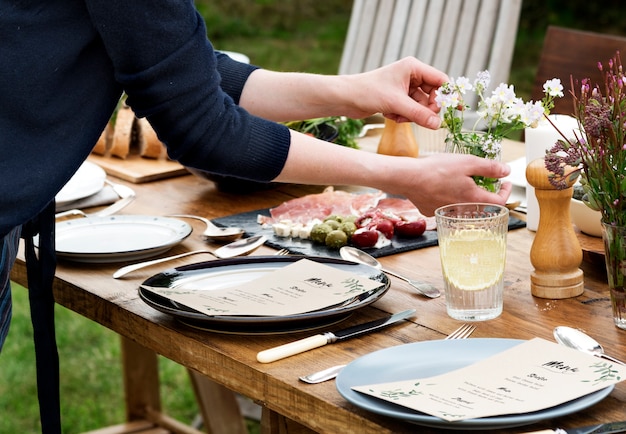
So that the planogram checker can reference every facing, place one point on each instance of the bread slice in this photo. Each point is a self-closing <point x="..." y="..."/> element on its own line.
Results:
<point x="149" y="144"/>
<point x="103" y="144"/>
<point x="122" y="134"/>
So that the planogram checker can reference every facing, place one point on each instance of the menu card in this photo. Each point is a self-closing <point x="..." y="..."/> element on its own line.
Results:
<point x="532" y="376"/>
<point x="302" y="286"/>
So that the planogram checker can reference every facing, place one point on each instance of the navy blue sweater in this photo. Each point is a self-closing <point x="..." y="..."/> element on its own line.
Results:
<point x="63" y="67"/>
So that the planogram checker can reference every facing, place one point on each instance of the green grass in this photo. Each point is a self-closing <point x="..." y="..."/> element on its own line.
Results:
<point x="296" y="35"/>
<point x="91" y="380"/>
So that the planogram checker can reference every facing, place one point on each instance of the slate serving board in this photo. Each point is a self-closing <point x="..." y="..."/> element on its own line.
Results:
<point x="248" y="221"/>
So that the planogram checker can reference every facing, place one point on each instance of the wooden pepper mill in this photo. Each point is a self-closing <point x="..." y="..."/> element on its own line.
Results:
<point x="398" y="139"/>
<point x="555" y="253"/>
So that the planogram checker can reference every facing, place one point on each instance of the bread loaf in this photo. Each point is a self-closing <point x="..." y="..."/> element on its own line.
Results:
<point x="129" y="136"/>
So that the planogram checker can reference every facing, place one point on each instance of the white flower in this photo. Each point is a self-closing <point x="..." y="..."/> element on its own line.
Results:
<point x="553" y="88"/>
<point x="504" y="93"/>
<point x="462" y="85"/>
<point x="446" y="98"/>
<point x="483" y="79"/>
<point x="491" y="146"/>
<point x="533" y="113"/>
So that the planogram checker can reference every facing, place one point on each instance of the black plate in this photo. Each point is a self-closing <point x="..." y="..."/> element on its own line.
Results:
<point x="248" y="221"/>
<point x="246" y="269"/>
<point x="264" y="329"/>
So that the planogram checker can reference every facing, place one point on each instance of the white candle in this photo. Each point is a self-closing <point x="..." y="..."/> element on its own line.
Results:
<point x="537" y="141"/>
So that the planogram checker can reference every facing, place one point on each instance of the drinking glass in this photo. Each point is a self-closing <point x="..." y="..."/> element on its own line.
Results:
<point x="472" y="246"/>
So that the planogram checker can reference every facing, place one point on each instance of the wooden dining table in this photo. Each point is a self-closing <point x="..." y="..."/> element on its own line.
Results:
<point x="289" y="405"/>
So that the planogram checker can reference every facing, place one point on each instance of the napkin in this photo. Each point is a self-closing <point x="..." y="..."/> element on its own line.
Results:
<point x="106" y="196"/>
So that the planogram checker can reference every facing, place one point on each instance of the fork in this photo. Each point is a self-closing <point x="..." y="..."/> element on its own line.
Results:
<point x="282" y="252"/>
<point x="462" y="332"/>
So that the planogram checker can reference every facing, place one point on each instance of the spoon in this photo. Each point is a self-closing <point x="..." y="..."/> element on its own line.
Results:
<point x="355" y="255"/>
<point x="236" y="248"/>
<point x="213" y="232"/>
<point x="578" y="340"/>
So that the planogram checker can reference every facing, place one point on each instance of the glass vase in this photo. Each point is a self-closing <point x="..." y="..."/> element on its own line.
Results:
<point x="482" y="145"/>
<point x="614" y="238"/>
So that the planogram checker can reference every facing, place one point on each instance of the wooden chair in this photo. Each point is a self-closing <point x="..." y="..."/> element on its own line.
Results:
<point x="459" y="37"/>
<point x="573" y="53"/>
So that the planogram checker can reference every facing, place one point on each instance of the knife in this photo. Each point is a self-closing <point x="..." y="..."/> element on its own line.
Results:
<point x="297" y="347"/>
<point x="603" y="428"/>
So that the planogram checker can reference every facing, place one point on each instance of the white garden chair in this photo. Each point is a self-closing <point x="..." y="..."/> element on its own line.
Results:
<point x="459" y="37"/>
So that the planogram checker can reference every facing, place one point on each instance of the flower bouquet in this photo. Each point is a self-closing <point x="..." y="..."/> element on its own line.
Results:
<point x="498" y="115"/>
<point x="598" y="155"/>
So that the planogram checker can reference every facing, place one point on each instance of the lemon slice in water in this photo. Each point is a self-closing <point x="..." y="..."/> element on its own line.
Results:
<point x="473" y="259"/>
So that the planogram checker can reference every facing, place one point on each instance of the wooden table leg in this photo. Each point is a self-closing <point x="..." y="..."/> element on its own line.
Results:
<point x="218" y="406"/>
<point x="274" y="423"/>
<point x="141" y="379"/>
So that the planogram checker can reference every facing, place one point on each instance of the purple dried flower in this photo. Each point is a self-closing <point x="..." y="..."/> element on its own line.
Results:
<point x="599" y="153"/>
<point x="597" y="117"/>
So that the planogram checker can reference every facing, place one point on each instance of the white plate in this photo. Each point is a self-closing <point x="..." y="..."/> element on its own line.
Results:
<point x="429" y="358"/>
<point x="239" y="57"/>
<point x="118" y="237"/>
<point x="88" y="180"/>
<point x="517" y="177"/>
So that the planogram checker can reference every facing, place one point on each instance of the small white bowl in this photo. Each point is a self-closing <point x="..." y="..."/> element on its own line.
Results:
<point x="585" y="218"/>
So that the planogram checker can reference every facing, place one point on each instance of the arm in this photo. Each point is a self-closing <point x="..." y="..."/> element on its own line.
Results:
<point x="402" y="91"/>
<point x="428" y="182"/>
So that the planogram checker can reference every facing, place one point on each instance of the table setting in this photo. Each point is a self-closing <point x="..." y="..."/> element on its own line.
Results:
<point x="173" y="322"/>
<point x="386" y="338"/>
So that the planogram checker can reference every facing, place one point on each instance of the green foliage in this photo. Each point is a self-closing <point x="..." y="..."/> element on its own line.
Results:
<point x="283" y="35"/>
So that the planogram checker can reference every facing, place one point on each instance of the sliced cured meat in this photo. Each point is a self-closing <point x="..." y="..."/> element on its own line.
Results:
<point x="338" y="202"/>
<point x="319" y="206"/>
<point x="404" y="209"/>
<point x="362" y="202"/>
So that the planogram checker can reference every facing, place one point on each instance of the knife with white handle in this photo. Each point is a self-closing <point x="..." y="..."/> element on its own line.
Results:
<point x="603" y="428"/>
<point x="297" y="347"/>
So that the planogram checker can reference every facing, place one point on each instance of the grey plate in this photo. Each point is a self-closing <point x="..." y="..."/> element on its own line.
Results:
<point x="430" y="358"/>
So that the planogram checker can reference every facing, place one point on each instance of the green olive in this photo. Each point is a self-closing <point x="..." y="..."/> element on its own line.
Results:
<point x="334" y="217"/>
<point x="348" y="228"/>
<point x="334" y="224"/>
<point x="319" y="232"/>
<point x="336" y="239"/>
<point x="350" y="218"/>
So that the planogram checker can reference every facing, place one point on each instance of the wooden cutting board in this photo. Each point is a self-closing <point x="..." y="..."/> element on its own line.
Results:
<point x="137" y="170"/>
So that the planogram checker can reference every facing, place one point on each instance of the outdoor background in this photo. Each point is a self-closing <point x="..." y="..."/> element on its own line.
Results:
<point x="296" y="35"/>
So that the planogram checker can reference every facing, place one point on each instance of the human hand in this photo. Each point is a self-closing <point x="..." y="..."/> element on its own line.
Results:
<point x="403" y="91"/>
<point x="442" y="179"/>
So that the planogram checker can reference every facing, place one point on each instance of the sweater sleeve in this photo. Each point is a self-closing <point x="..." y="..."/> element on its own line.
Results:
<point x="168" y="68"/>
